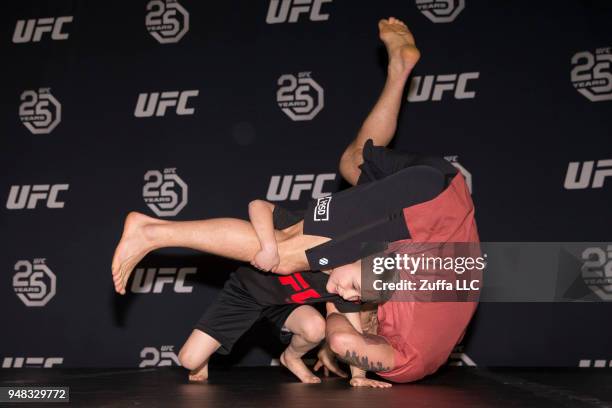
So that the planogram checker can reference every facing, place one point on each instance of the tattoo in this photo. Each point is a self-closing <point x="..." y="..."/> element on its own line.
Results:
<point x="364" y="363"/>
<point x="369" y="321"/>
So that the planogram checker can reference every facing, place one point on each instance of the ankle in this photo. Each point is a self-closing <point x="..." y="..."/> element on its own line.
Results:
<point x="291" y="353"/>
<point x="397" y="75"/>
<point x="152" y="233"/>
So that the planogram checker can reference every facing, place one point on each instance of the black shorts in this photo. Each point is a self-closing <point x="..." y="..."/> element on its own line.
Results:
<point x="235" y="311"/>
<point x="368" y="213"/>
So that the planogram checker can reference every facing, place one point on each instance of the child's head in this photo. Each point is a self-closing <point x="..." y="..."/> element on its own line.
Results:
<point x="345" y="281"/>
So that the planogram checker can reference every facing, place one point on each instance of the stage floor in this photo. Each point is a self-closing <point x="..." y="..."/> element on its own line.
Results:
<point x="274" y="387"/>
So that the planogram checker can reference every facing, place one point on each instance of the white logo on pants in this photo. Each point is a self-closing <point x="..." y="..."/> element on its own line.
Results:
<point x="321" y="211"/>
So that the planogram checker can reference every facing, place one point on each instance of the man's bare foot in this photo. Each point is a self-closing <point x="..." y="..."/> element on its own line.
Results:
<point x="267" y="259"/>
<point x="199" y="375"/>
<point x="402" y="51"/>
<point x="296" y="365"/>
<point x="132" y="247"/>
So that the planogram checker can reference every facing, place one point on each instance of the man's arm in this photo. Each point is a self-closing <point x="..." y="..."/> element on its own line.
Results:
<point x="362" y="351"/>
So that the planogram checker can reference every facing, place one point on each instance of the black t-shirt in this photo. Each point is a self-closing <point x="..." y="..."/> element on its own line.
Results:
<point x="270" y="289"/>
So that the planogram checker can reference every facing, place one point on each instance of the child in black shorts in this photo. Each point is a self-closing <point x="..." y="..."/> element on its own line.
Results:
<point x="250" y="295"/>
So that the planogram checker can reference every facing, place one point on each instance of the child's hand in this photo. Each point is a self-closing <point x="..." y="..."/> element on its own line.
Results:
<point x="266" y="259"/>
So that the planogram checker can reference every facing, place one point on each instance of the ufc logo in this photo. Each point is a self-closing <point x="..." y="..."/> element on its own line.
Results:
<point x="433" y="87"/>
<point x="28" y="196"/>
<point x="154" y="280"/>
<point x="282" y="11"/>
<point x="291" y="187"/>
<point x="156" y="103"/>
<point x="31" y="362"/>
<point x="300" y="286"/>
<point x="588" y="177"/>
<point x="32" y="30"/>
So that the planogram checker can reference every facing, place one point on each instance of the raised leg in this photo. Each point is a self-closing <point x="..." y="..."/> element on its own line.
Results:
<point x="227" y="237"/>
<point x="381" y="123"/>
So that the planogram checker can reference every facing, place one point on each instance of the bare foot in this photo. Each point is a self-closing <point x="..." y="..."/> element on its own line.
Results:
<point x="401" y="49"/>
<point x="267" y="259"/>
<point x="297" y="367"/>
<point x="199" y="375"/>
<point x="132" y="247"/>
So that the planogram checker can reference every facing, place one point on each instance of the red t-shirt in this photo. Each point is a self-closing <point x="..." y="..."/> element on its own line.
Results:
<point x="423" y="334"/>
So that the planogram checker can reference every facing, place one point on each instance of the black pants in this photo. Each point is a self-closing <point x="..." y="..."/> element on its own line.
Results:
<point x="369" y="213"/>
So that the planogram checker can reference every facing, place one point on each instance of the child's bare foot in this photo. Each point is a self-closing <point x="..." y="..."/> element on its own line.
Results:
<point x="267" y="259"/>
<point x="199" y="375"/>
<point x="132" y="247"/>
<point x="296" y="365"/>
<point x="401" y="49"/>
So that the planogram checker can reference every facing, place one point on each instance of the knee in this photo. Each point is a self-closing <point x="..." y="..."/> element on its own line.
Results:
<point x="313" y="329"/>
<point x="341" y="342"/>
<point x="188" y="358"/>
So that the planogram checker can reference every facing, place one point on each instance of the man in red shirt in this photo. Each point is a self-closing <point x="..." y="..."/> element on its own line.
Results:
<point x="402" y="341"/>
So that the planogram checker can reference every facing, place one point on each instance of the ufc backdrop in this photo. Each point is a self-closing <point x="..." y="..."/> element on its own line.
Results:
<point x="190" y="109"/>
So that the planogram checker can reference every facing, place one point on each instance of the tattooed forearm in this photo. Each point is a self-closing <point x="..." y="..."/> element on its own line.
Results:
<point x="364" y="363"/>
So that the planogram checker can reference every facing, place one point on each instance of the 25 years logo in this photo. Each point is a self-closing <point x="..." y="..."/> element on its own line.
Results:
<point x="164" y="192"/>
<point x="167" y="21"/>
<point x="441" y="11"/>
<point x="39" y="111"/>
<point x="34" y="283"/>
<point x="591" y="74"/>
<point x="597" y="270"/>
<point x="299" y="96"/>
